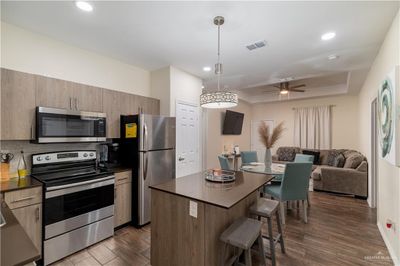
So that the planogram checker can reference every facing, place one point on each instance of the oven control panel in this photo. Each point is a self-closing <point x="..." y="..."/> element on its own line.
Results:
<point x="66" y="156"/>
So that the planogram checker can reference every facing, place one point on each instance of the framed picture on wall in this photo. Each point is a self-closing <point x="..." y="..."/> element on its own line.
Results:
<point x="389" y="117"/>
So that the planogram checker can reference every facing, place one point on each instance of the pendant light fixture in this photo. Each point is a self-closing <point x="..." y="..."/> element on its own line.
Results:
<point x="218" y="99"/>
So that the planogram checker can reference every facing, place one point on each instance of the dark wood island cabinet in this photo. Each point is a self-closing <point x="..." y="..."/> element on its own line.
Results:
<point x="189" y="214"/>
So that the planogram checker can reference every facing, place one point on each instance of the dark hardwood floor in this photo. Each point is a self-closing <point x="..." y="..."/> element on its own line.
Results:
<point x="341" y="230"/>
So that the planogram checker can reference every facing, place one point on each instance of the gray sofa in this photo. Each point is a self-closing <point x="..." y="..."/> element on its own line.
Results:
<point x="342" y="171"/>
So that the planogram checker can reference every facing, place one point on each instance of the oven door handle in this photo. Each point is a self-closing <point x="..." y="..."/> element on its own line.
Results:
<point x="80" y="183"/>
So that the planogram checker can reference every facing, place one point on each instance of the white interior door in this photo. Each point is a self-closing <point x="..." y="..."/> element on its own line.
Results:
<point x="255" y="143"/>
<point x="187" y="139"/>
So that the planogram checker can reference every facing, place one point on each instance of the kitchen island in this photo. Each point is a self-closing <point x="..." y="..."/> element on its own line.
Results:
<point x="189" y="214"/>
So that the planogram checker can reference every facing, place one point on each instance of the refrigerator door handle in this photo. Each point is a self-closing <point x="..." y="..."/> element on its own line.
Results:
<point x="145" y="137"/>
<point x="146" y="164"/>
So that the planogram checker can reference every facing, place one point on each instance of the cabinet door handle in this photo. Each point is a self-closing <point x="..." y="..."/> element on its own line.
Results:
<point x="115" y="193"/>
<point x="22" y="199"/>
<point x="37" y="212"/>
<point x="76" y="103"/>
<point x="32" y="137"/>
<point x="70" y="103"/>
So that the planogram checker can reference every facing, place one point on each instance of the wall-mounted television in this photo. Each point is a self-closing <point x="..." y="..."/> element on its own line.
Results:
<point x="233" y="123"/>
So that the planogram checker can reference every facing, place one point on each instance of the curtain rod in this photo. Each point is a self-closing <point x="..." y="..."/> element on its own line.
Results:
<point x="294" y="108"/>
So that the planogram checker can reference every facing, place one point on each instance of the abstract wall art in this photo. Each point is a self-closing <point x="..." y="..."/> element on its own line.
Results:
<point x="389" y="117"/>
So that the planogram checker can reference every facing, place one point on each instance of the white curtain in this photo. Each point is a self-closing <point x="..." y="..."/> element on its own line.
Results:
<point x="312" y="127"/>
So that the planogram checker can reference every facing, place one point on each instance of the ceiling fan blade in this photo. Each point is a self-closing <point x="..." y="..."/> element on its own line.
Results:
<point x="298" y="86"/>
<point x="297" y="90"/>
<point x="276" y="86"/>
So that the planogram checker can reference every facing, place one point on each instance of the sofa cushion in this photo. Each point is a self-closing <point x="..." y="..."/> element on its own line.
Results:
<point x="353" y="161"/>
<point x="339" y="161"/>
<point x="314" y="153"/>
<point x="332" y="154"/>
<point x="287" y="153"/>
<point x="363" y="167"/>
<point x="316" y="174"/>
<point x="323" y="157"/>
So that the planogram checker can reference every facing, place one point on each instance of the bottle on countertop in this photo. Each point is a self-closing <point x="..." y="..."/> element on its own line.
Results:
<point x="22" y="166"/>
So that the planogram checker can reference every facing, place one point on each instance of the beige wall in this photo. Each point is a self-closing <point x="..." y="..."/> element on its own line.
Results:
<point x="185" y="87"/>
<point x="388" y="175"/>
<point x="215" y="141"/>
<point x="160" y="88"/>
<point x="344" y="118"/>
<point x="30" y="52"/>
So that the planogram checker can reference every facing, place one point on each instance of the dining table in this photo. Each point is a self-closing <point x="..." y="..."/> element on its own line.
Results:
<point x="277" y="169"/>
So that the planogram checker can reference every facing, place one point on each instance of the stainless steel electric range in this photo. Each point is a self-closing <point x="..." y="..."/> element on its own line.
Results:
<point x="78" y="202"/>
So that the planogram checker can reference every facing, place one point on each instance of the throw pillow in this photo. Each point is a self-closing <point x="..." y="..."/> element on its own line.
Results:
<point x="339" y="160"/>
<point x="286" y="154"/>
<point x="353" y="161"/>
<point x="315" y="153"/>
<point x="331" y="157"/>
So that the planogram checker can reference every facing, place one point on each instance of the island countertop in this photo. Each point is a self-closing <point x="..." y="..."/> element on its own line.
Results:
<point x="224" y="195"/>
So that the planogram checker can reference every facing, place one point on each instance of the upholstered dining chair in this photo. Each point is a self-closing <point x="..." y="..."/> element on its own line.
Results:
<point x="303" y="158"/>
<point x="248" y="157"/>
<point x="224" y="162"/>
<point x="294" y="186"/>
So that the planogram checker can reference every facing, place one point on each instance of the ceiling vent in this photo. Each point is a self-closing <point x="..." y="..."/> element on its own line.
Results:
<point x="256" y="45"/>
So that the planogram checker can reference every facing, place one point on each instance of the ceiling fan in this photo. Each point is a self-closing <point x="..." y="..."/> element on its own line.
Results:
<point x="284" y="87"/>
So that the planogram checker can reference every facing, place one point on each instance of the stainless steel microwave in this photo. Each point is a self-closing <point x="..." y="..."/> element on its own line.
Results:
<point x="55" y="125"/>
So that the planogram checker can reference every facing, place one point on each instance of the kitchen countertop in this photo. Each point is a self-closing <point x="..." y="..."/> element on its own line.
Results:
<point x="16" y="246"/>
<point x="223" y="195"/>
<point x="18" y="183"/>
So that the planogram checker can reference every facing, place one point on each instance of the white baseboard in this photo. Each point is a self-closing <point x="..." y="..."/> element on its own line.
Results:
<point x="389" y="247"/>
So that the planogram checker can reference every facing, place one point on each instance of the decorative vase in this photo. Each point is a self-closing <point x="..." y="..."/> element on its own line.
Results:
<point x="268" y="159"/>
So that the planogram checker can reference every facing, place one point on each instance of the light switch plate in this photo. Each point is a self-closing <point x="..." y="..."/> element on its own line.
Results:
<point x="193" y="209"/>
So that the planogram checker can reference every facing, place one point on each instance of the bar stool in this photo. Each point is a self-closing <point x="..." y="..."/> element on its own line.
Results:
<point x="267" y="208"/>
<point x="242" y="234"/>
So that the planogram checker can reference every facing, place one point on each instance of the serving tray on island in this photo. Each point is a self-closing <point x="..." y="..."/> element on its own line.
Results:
<point x="219" y="176"/>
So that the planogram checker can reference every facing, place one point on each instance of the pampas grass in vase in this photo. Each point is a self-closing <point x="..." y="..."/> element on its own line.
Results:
<point x="269" y="139"/>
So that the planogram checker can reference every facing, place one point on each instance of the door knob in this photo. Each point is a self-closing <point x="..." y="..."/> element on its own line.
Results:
<point x="181" y="158"/>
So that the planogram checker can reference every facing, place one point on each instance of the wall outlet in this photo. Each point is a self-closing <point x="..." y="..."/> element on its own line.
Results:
<point x="193" y="209"/>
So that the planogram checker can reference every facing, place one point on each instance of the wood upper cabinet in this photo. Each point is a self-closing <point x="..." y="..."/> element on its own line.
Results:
<point x="63" y="94"/>
<point x="54" y="93"/>
<point x="17" y="105"/>
<point x="87" y="98"/>
<point x="111" y="106"/>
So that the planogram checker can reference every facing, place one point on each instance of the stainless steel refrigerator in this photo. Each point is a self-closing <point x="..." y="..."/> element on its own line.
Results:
<point x="148" y="147"/>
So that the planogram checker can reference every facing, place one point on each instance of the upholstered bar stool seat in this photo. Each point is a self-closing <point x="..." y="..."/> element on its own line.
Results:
<point x="242" y="234"/>
<point x="268" y="208"/>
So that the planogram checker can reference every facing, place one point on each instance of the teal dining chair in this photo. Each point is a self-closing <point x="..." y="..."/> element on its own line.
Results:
<point x="303" y="158"/>
<point x="294" y="186"/>
<point x="224" y="162"/>
<point x="248" y="157"/>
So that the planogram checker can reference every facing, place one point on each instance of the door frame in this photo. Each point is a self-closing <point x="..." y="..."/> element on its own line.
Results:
<point x="374" y="154"/>
<point x="200" y="132"/>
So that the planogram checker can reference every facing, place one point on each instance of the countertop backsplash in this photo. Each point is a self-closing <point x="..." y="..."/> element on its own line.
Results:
<point x="15" y="147"/>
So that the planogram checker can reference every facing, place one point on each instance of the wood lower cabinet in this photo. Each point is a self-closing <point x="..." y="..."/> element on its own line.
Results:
<point x="17" y="105"/>
<point x="30" y="218"/>
<point x="26" y="205"/>
<point x="122" y="198"/>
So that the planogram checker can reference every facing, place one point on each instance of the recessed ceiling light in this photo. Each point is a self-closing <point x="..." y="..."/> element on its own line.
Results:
<point x="207" y="69"/>
<point x="202" y="87"/>
<point x="333" y="57"/>
<point x="328" y="36"/>
<point x="85" y="6"/>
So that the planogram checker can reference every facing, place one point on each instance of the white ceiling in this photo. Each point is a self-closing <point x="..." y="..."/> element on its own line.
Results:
<point x="153" y="35"/>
